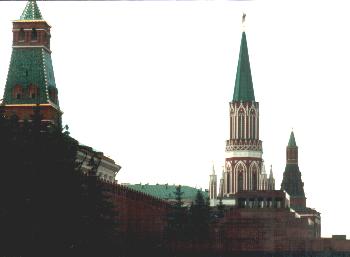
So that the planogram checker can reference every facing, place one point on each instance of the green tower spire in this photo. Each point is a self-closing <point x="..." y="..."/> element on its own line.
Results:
<point x="244" y="90"/>
<point x="31" y="11"/>
<point x="291" y="142"/>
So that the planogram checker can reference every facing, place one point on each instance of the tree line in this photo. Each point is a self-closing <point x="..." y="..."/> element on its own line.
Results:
<point x="47" y="207"/>
<point x="190" y="226"/>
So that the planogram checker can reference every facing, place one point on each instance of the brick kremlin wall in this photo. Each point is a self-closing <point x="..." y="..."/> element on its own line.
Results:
<point x="138" y="214"/>
<point x="241" y="232"/>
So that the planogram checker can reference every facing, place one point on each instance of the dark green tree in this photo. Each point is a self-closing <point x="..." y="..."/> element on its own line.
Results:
<point x="177" y="217"/>
<point x="100" y="215"/>
<point x="200" y="218"/>
<point x="44" y="197"/>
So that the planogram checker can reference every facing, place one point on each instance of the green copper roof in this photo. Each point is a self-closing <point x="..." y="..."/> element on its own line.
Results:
<point x="291" y="142"/>
<point x="292" y="181"/>
<point x="29" y="66"/>
<point x="166" y="192"/>
<point x="31" y="11"/>
<point x="244" y="90"/>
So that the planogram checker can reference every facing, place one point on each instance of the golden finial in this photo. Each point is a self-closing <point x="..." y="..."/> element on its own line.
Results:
<point x="243" y="20"/>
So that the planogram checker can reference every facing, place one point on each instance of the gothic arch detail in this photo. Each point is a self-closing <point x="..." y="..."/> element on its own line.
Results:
<point x="254" y="175"/>
<point x="240" y="172"/>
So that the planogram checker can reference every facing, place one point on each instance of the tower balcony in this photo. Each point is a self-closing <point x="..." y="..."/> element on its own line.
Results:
<point x="243" y="144"/>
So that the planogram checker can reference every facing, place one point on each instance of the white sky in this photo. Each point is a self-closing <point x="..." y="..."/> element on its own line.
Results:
<point x="148" y="83"/>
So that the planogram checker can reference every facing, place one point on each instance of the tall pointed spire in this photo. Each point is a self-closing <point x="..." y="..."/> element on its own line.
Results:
<point x="244" y="90"/>
<point x="291" y="142"/>
<point x="31" y="11"/>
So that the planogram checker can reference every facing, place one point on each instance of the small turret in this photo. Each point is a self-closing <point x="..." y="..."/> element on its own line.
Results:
<point x="213" y="185"/>
<point x="221" y="186"/>
<point x="271" y="180"/>
<point x="263" y="178"/>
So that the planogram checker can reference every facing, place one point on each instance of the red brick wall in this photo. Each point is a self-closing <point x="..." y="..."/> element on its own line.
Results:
<point x="271" y="230"/>
<point x="25" y="111"/>
<point x="138" y="214"/>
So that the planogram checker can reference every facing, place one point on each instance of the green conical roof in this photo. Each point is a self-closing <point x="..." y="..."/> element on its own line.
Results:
<point x="31" y="12"/>
<point x="292" y="181"/>
<point x="30" y="66"/>
<point x="292" y="142"/>
<point x="244" y="90"/>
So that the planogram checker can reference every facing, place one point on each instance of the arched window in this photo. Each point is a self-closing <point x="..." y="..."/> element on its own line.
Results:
<point x="254" y="176"/>
<point x="228" y="182"/>
<point x="34" y="35"/>
<point x="21" y="35"/>
<point x="240" y="181"/>
<point x="255" y="181"/>
<point x="252" y="124"/>
<point x="33" y="91"/>
<point x="17" y="92"/>
<point x="240" y="172"/>
<point x="240" y="123"/>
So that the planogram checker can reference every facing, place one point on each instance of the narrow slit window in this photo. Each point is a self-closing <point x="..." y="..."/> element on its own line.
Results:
<point x="21" y="35"/>
<point x="34" y="35"/>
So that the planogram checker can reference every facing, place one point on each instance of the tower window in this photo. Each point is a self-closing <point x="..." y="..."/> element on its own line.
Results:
<point x="240" y="181"/>
<point x="33" y="91"/>
<point x="255" y="181"/>
<point x="21" y="35"/>
<point x="34" y="35"/>
<point x="17" y="92"/>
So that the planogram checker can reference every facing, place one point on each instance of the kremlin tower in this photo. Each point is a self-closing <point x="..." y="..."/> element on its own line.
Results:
<point x="245" y="183"/>
<point x="31" y="85"/>
<point x="244" y="167"/>
<point x="30" y="80"/>
<point x="293" y="185"/>
<point x="292" y="182"/>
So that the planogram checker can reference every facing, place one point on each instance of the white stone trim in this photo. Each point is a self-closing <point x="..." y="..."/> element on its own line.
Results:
<point x="38" y="46"/>
<point x="243" y="153"/>
<point x="27" y="29"/>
